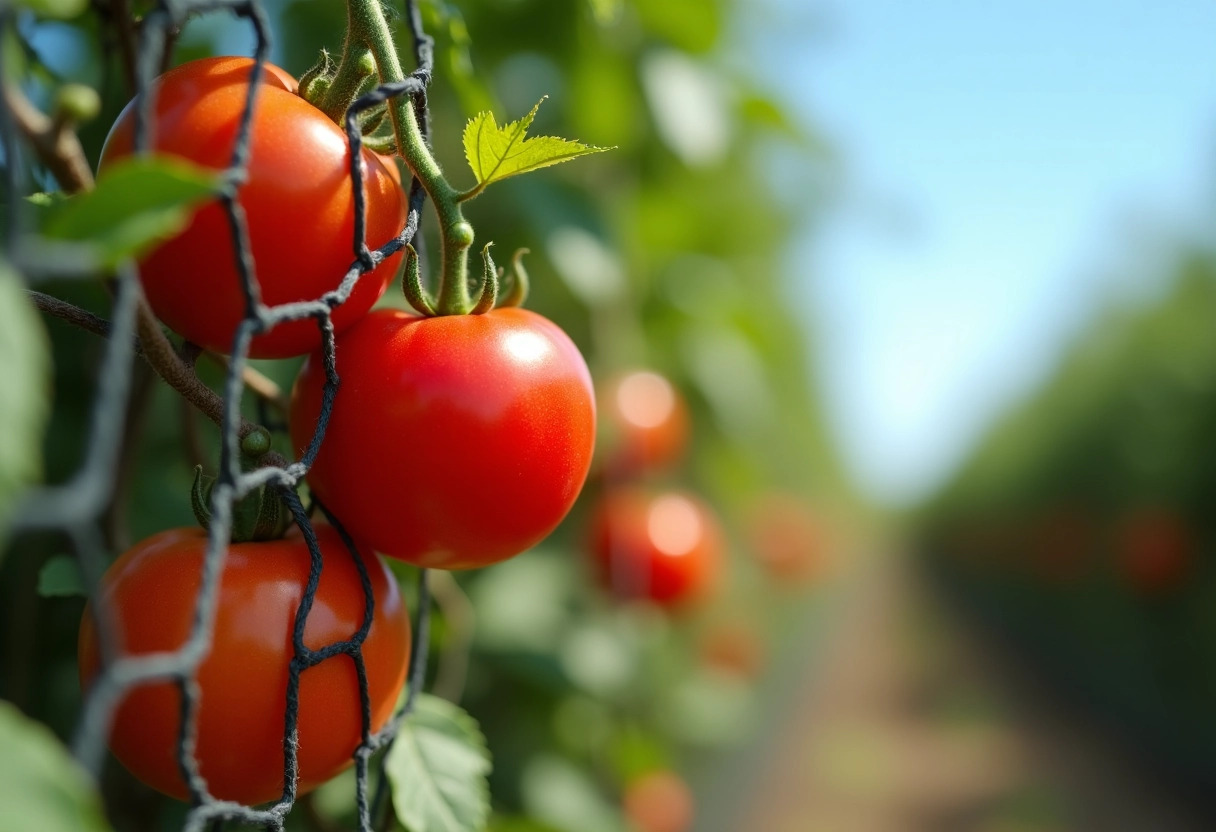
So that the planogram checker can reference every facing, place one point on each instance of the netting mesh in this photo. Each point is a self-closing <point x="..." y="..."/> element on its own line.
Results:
<point x="76" y="507"/>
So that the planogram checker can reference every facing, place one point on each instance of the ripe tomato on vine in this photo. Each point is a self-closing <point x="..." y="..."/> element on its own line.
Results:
<point x="298" y="202"/>
<point x="456" y="441"/>
<point x="645" y="422"/>
<point x="666" y="548"/>
<point x="151" y="591"/>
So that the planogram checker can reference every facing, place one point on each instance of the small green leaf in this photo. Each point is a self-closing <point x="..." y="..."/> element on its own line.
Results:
<point x="494" y="152"/>
<point x="61" y="9"/>
<point x="25" y="393"/>
<point x="60" y="577"/>
<point x="41" y="787"/>
<point x="438" y="767"/>
<point x="137" y="203"/>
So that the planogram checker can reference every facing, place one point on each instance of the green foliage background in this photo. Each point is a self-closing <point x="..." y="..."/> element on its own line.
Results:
<point x="667" y="253"/>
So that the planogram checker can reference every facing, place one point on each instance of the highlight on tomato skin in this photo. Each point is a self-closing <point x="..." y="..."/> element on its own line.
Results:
<point x="457" y="441"/>
<point x="297" y="198"/>
<point x="151" y="591"/>
<point x="659" y="801"/>
<point x="667" y="547"/>
<point x="645" y="422"/>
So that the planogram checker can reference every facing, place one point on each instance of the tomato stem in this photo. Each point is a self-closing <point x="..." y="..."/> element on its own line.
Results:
<point x="368" y="31"/>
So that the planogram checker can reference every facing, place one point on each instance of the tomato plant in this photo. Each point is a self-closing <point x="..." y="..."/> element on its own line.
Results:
<point x="456" y="441"/>
<point x="666" y="548"/>
<point x="645" y="422"/>
<point x="151" y="590"/>
<point x="298" y="201"/>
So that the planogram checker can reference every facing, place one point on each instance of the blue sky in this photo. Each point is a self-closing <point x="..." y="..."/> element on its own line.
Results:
<point x="1005" y="165"/>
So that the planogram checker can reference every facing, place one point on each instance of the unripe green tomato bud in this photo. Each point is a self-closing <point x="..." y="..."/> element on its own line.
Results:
<point x="76" y="102"/>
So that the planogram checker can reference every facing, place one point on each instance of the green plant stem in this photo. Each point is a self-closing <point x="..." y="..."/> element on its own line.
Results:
<point x="368" y="31"/>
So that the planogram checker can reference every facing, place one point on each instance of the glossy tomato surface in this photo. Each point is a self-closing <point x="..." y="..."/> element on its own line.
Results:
<point x="663" y="547"/>
<point x="152" y="588"/>
<point x="645" y="422"/>
<point x="298" y="201"/>
<point x="455" y="441"/>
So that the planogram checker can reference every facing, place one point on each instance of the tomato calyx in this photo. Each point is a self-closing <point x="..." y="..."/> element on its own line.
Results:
<point x="490" y="295"/>
<point x="259" y="515"/>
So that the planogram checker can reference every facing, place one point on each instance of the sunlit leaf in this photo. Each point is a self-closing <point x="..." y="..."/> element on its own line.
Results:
<point x="137" y="203"/>
<point x="494" y="152"/>
<point x="41" y="786"/>
<point x="25" y="393"/>
<point x="438" y="767"/>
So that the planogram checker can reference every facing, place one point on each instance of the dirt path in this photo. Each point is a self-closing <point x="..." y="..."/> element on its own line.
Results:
<point x="906" y="724"/>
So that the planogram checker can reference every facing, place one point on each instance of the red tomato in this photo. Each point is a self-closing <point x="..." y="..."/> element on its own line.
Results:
<point x="152" y="589"/>
<point x="1156" y="550"/>
<point x="665" y="548"/>
<point x="298" y="202"/>
<point x="645" y="422"/>
<point x="455" y="441"/>
<point x="786" y="537"/>
<point x="659" y="802"/>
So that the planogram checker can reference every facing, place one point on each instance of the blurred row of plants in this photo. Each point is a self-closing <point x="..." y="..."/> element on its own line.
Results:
<point x="1082" y="529"/>
<point x="666" y="255"/>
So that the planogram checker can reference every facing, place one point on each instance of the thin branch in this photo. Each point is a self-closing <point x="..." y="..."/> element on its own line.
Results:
<point x="155" y="348"/>
<point x="53" y="139"/>
<point x="458" y="616"/>
<point x="118" y="15"/>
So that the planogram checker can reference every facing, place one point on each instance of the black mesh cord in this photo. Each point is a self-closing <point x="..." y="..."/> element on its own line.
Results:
<point x="76" y="507"/>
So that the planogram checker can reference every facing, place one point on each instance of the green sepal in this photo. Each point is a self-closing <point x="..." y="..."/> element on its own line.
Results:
<point x="370" y="120"/>
<point x="411" y="284"/>
<point x="259" y="515"/>
<point x="489" y="284"/>
<point x="384" y="145"/>
<point x="519" y="281"/>
<point x="200" y="497"/>
<point x="315" y="82"/>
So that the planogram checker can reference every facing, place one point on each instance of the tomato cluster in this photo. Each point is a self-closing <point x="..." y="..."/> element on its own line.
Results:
<point x="657" y="544"/>
<point x="457" y="441"/>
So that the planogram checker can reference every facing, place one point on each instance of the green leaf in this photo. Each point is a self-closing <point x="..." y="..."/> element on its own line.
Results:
<point x="438" y="767"/>
<point x="494" y="152"/>
<point x="137" y="203"/>
<point x="25" y="393"/>
<point x="41" y="786"/>
<point x="60" y="577"/>
<point x="61" y="9"/>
